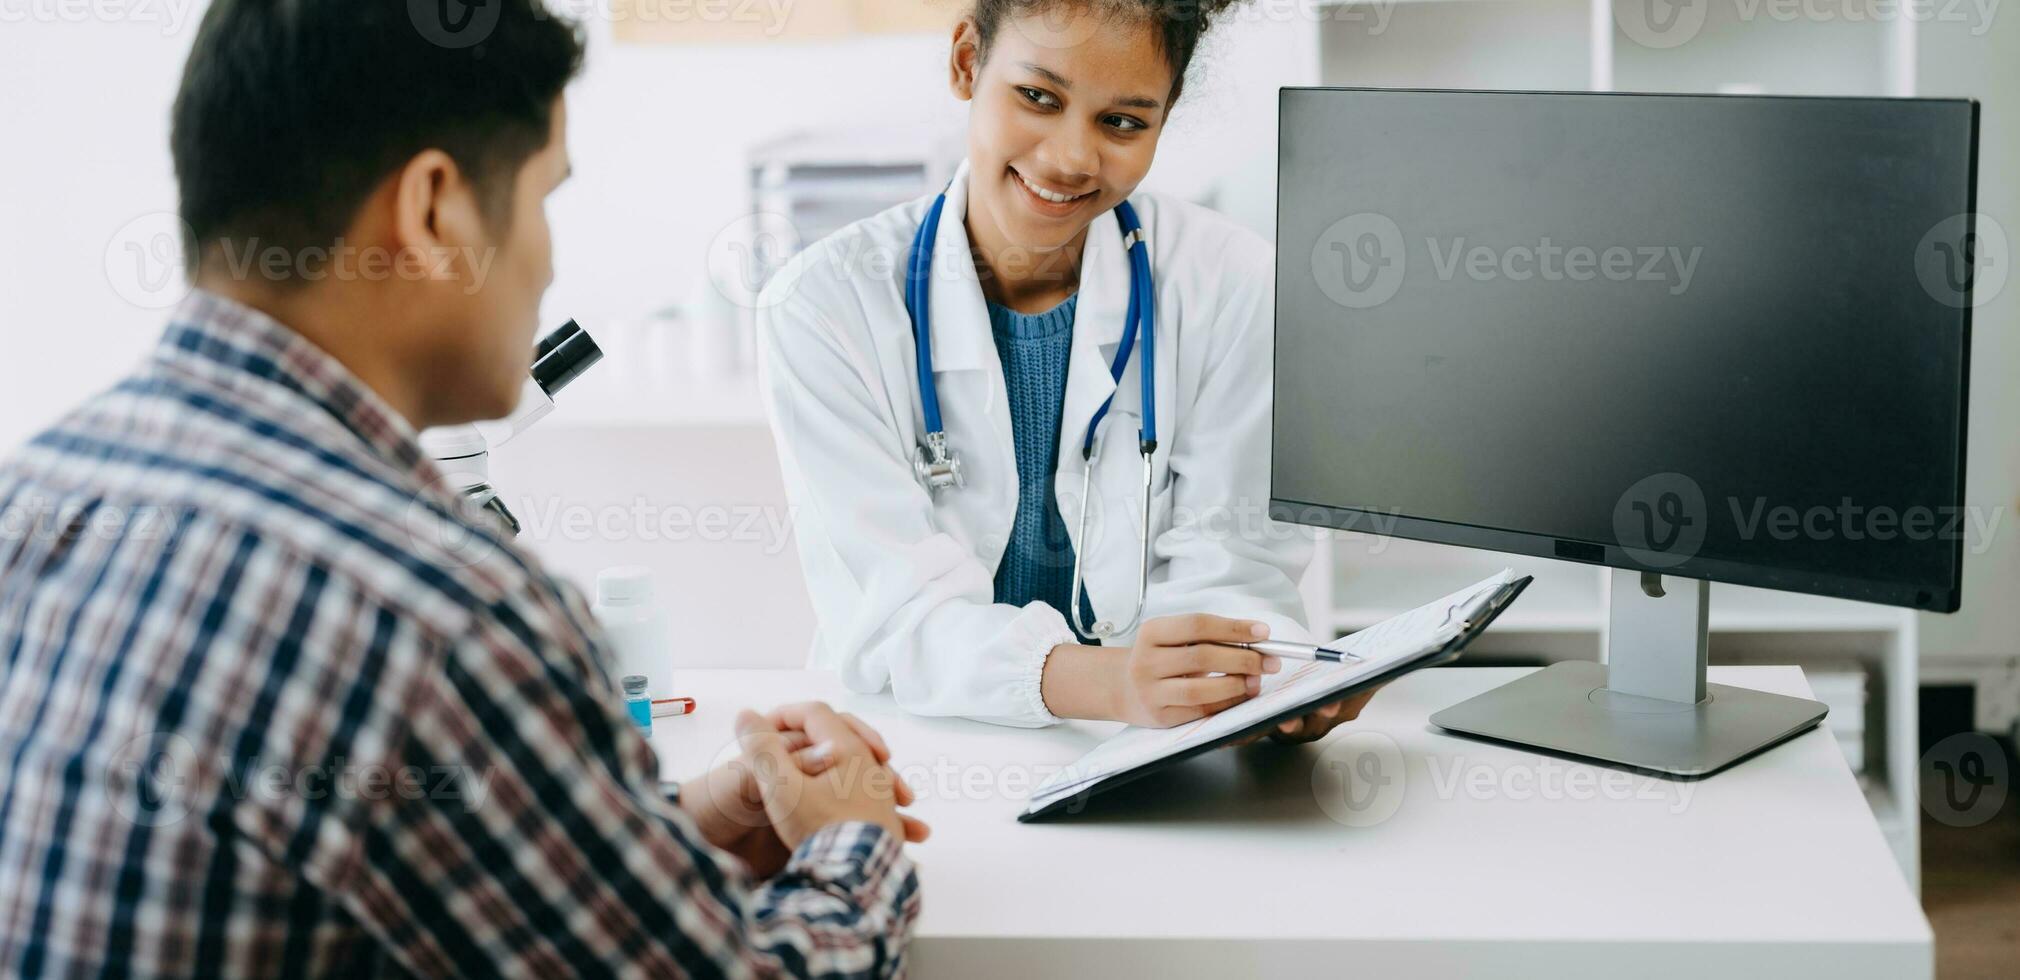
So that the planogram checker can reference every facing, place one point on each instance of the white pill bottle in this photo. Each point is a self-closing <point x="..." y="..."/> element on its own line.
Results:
<point x="636" y="628"/>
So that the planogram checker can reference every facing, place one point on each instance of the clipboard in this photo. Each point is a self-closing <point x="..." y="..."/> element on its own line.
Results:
<point x="1074" y="802"/>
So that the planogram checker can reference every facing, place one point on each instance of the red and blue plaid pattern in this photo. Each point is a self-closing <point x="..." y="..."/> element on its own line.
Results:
<point x="274" y="703"/>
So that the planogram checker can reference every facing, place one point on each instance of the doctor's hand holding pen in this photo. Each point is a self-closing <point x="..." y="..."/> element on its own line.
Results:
<point x="803" y="767"/>
<point x="1180" y="669"/>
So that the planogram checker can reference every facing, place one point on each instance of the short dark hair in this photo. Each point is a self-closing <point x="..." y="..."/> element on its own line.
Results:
<point x="1180" y="23"/>
<point x="292" y="111"/>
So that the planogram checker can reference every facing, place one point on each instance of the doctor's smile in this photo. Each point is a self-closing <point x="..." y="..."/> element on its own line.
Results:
<point x="1051" y="203"/>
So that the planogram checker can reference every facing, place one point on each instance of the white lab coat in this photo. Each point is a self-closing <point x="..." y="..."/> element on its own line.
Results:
<point x="903" y="581"/>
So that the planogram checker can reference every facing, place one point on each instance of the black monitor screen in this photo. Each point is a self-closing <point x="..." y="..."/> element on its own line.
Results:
<point x="1720" y="337"/>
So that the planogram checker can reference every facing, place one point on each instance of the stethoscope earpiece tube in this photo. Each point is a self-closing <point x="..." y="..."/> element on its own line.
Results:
<point x="1139" y="264"/>
<point x="936" y="466"/>
<point x="918" y="297"/>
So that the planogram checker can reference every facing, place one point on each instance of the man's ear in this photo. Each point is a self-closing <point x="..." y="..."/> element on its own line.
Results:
<point x="435" y="208"/>
<point x="964" y="64"/>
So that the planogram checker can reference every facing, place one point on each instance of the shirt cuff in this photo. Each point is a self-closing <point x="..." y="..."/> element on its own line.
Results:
<point x="859" y="858"/>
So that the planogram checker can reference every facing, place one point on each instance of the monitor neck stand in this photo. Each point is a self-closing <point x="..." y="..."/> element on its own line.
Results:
<point x="1648" y="707"/>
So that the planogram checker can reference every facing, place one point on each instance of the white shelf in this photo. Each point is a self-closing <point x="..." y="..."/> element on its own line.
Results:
<point x="1736" y="609"/>
<point x="1557" y="603"/>
<point x="1374" y="579"/>
<point x="1516" y="620"/>
<point x="678" y="402"/>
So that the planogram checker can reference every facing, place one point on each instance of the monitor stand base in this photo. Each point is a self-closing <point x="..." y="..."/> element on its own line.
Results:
<point x="1567" y="709"/>
<point x="1648" y="707"/>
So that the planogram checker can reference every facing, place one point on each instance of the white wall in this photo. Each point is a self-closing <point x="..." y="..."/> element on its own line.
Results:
<point x="84" y="126"/>
<point x="658" y="135"/>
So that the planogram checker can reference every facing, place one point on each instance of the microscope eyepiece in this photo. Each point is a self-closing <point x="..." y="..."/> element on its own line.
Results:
<point x="553" y="340"/>
<point x="562" y="357"/>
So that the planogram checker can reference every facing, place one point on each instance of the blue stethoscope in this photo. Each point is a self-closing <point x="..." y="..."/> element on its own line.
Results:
<point x="939" y="468"/>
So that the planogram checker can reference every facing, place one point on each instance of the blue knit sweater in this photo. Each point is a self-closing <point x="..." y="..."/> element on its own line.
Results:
<point x="1035" y="350"/>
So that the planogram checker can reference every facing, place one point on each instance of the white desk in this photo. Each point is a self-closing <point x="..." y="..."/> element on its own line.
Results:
<point x="1491" y="862"/>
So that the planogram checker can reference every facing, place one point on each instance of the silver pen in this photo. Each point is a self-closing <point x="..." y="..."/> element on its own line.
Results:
<point x="1300" y="651"/>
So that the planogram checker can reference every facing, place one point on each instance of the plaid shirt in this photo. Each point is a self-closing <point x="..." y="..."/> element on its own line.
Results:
<point x="274" y="702"/>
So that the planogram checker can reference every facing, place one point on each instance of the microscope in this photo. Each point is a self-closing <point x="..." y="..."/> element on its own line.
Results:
<point x="464" y="451"/>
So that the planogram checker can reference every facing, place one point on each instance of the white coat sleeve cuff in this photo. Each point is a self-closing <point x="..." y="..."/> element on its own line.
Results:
<point x="1031" y="685"/>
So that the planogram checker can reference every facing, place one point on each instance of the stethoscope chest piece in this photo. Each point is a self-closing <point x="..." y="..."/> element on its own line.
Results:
<point x="938" y="467"/>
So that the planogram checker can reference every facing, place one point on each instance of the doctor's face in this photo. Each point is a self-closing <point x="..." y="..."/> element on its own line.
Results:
<point x="1068" y="105"/>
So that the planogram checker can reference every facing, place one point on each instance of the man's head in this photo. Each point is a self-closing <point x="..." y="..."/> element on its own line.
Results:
<point x="380" y="184"/>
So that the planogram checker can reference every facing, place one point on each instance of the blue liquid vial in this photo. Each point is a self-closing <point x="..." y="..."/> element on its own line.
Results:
<point x="638" y="703"/>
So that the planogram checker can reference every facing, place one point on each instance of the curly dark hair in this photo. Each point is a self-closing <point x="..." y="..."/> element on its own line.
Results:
<point x="1180" y="23"/>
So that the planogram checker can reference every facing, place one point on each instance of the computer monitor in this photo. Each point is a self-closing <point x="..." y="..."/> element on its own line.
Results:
<point x="1692" y="338"/>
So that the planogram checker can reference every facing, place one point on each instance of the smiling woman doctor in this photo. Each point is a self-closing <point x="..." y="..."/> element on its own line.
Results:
<point x="941" y="376"/>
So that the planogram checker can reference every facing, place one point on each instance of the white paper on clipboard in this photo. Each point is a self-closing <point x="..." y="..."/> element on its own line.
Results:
<point x="1394" y="641"/>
